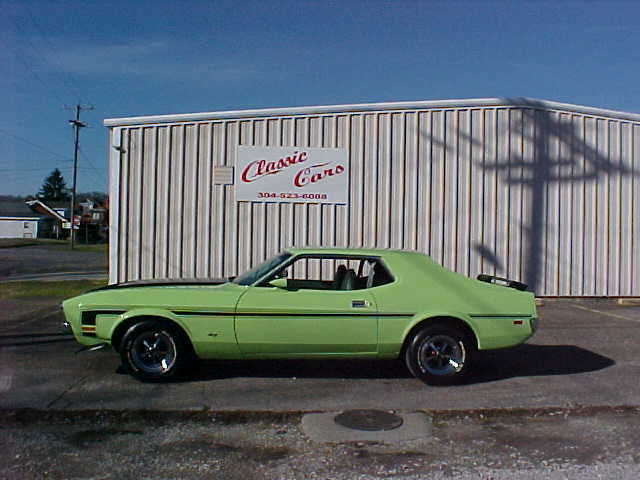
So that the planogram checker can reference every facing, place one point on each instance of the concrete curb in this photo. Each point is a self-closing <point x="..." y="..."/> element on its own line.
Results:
<point x="56" y="276"/>
<point x="624" y="301"/>
<point x="28" y="415"/>
<point x="629" y="302"/>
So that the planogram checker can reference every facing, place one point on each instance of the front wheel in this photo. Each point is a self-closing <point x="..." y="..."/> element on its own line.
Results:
<point x="154" y="351"/>
<point x="439" y="355"/>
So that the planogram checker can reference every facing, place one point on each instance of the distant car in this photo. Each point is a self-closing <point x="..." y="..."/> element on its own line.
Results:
<point x="310" y="303"/>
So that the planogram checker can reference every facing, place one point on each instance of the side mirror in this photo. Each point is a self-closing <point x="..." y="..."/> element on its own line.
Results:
<point x="279" y="283"/>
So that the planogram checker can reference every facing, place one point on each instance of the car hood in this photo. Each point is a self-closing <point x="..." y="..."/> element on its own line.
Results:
<point x="156" y="282"/>
<point x="168" y="295"/>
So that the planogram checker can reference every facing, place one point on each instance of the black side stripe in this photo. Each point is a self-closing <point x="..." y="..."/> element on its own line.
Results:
<point x="89" y="317"/>
<point x="288" y="314"/>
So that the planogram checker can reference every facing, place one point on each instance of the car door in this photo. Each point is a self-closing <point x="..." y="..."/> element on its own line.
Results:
<point x="273" y="321"/>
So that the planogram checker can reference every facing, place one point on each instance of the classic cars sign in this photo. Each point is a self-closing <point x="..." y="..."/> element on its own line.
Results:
<point x="292" y="174"/>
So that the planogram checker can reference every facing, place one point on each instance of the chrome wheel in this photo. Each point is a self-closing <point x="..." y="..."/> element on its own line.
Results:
<point x="153" y="351"/>
<point x="441" y="355"/>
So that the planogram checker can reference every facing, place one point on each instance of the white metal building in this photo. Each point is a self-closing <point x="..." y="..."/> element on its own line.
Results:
<point x="537" y="191"/>
<point x="19" y="227"/>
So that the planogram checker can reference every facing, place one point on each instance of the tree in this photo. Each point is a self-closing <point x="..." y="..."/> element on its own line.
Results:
<point x="54" y="188"/>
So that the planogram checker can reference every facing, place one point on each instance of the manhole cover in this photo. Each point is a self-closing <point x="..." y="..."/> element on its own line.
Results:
<point x="369" y="420"/>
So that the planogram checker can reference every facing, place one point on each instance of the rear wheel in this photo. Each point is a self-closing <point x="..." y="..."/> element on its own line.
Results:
<point x="154" y="351"/>
<point x="439" y="355"/>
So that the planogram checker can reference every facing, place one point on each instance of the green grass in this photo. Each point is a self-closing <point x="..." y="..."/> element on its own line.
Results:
<point x="95" y="247"/>
<point x="30" y="242"/>
<point x="27" y="242"/>
<point x="59" y="289"/>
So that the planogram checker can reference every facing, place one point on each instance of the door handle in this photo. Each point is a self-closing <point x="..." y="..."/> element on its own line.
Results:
<point x="359" y="303"/>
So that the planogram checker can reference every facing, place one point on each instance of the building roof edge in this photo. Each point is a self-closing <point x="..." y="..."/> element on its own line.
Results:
<point x="369" y="107"/>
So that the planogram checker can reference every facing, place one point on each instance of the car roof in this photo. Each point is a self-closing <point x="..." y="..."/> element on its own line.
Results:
<point x="376" y="252"/>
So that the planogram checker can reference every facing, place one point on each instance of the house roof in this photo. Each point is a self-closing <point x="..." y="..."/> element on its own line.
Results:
<point x="45" y="209"/>
<point x="16" y="208"/>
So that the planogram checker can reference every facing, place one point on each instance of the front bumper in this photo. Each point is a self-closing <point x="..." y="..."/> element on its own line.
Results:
<point x="66" y="328"/>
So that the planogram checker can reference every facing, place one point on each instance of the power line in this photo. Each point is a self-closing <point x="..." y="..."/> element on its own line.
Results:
<point x="91" y="182"/>
<point x="71" y="83"/>
<point x="95" y="174"/>
<point x="91" y="164"/>
<point x="44" y="58"/>
<point x="22" y="175"/>
<point x="39" y="79"/>
<point x="100" y="172"/>
<point x="33" y="144"/>
<point x="32" y="169"/>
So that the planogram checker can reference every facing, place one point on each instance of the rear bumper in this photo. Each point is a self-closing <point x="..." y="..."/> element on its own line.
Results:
<point x="504" y="331"/>
<point x="534" y="325"/>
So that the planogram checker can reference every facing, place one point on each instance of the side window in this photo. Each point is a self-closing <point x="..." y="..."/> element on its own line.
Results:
<point x="322" y="273"/>
<point x="334" y="273"/>
<point x="377" y="275"/>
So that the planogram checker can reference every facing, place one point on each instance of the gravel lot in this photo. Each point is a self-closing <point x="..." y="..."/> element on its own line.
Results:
<point x="544" y="444"/>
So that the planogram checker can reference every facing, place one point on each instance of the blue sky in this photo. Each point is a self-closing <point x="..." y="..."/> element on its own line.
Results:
<point x="130" y="58"/>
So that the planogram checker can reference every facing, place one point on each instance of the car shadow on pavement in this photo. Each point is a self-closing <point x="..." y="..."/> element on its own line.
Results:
<point x="522" y="361"/>
<point x="300" y="368"/>
<point x="530" y="360"/>
<point x="30" y="339"/>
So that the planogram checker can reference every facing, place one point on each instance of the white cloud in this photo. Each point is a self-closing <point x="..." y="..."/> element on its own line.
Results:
<point x="146" y="59"/>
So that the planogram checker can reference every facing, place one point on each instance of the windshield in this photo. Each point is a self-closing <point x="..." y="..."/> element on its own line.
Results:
<point x="261" y="270"/>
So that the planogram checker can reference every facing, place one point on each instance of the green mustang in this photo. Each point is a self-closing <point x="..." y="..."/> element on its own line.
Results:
<point x="310" y="303"/>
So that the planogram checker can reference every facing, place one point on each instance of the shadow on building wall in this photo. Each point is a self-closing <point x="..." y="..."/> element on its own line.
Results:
<point x="576" y="161"/>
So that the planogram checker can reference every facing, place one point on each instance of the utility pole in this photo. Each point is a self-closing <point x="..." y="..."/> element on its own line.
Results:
<point x="77" y="125"/>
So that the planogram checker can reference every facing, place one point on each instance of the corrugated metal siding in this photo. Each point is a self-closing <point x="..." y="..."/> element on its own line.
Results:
<point x="546" y="196"/>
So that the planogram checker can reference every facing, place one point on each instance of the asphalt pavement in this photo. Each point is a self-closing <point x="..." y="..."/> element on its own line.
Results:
<point x="53" y="259"/>
<point x="564" y="405"/>
<point x="584" y="354"/>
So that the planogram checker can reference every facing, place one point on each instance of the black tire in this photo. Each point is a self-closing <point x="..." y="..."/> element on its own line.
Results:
<point x="155" y="351"/>
<point x="440" y="355"/>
